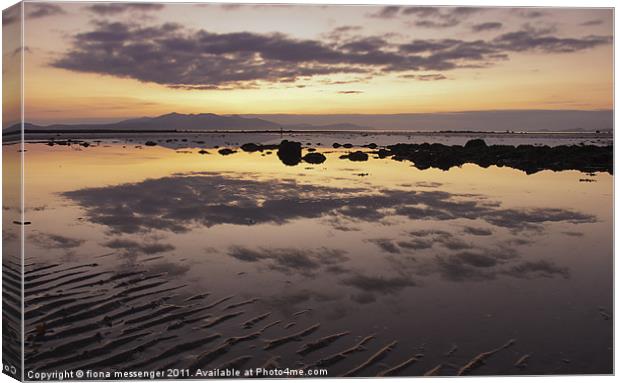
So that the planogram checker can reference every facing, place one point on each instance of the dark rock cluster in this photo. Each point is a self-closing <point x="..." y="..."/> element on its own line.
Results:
<point x="529" y="158"/>
<point x="251" y="147"/>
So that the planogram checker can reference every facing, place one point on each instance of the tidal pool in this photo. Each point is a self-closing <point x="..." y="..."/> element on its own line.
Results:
<point x="203" y="261"/>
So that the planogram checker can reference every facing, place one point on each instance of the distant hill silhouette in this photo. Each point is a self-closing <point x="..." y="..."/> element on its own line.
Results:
<point x="473" y="121"/>
<point x="182" y="122"/>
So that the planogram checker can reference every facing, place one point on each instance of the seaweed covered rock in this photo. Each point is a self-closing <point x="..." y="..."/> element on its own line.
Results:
<point x="289" y="152"/>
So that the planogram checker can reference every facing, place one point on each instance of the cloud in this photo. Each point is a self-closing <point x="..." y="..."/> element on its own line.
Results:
<point x="442" y="17"/>
<point x="386" y="12"/>
<point x="350" y="92"/>
<point x="537" y="269"/>
<point x="32" y="11"/>
<point x="385" y="245"/>
<point x="592" y="22"/>
<point x="306" y="262"/>
<point x="490" y="26"/>
<point x="416" y="244"/>
<point x="54" y="241"/>
<point x="535" y="41"/>
<point x="11" y="15"/>
<point x="425" y="77"/>
<point x="528" y="13"/>
<point x="38" y="10"/>
<point x="428" y="17"/>
<point x="173" y="56"/>
<point x="342" y="32"/>
<point x="228" y="7"/>
<point x="573" y="233"/>
<point x="132" y="247"/>
<point x="179" y="203"/>
<point x="378" y="283"/>
<point x="363" y="298"/>
<point x="477" y="231"/>
<point x="115" y="9"/>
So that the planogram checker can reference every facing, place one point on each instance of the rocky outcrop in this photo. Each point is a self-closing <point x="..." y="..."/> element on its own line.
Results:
<point x="529" y="158"/>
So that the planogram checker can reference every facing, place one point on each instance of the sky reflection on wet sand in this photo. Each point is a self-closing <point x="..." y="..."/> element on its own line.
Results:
<point x="469" y="256"/>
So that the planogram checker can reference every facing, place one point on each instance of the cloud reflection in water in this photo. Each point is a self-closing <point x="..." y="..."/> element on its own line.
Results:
<point x="182" y="202"/>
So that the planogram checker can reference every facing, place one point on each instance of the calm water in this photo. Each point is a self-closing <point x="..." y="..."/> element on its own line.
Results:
<point x="449" y="264"/>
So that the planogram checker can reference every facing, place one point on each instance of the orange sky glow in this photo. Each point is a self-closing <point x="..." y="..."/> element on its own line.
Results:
<point x="92" y="62"/>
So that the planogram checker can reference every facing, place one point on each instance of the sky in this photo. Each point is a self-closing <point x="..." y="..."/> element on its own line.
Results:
<point x="87" y="62"/>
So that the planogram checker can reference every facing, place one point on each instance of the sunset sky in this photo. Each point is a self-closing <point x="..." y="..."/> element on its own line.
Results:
<point x="101" y="62"/>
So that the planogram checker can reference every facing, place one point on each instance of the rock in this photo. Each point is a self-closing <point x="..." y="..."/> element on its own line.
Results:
<point x="358" y="156"/>
<point x="290" y="152"/>
<point x="226" y="151"/>
<point x="336" y="145"/>
<point x="475" y="143"/>
<point x="250" y="147"/>
<point x="314" y="158"/>
<point x="150" y="143"/>
<point x="382" y="153"/>
<point x="202" y="151"/>
<point x="372" y="145"/>
<point x="311" y="149"/>
<point x="348" y="146"/>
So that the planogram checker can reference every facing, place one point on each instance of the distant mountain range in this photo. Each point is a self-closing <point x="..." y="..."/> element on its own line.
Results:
<point x="522" y="120"/>
<point x="184" y="122"/>
<point x="480" y="121"/>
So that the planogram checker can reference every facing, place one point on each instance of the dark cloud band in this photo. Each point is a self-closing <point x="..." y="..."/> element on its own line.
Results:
<point x="174" y="56"/>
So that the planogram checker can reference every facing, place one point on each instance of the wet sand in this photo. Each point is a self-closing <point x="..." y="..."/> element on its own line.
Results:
<point x="372" y="268"/>
<point x="86" y="317"/>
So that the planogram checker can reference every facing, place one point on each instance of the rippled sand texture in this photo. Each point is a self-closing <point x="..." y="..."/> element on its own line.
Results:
<point x="152" y="257"/>
<point x="11" y="261"/>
